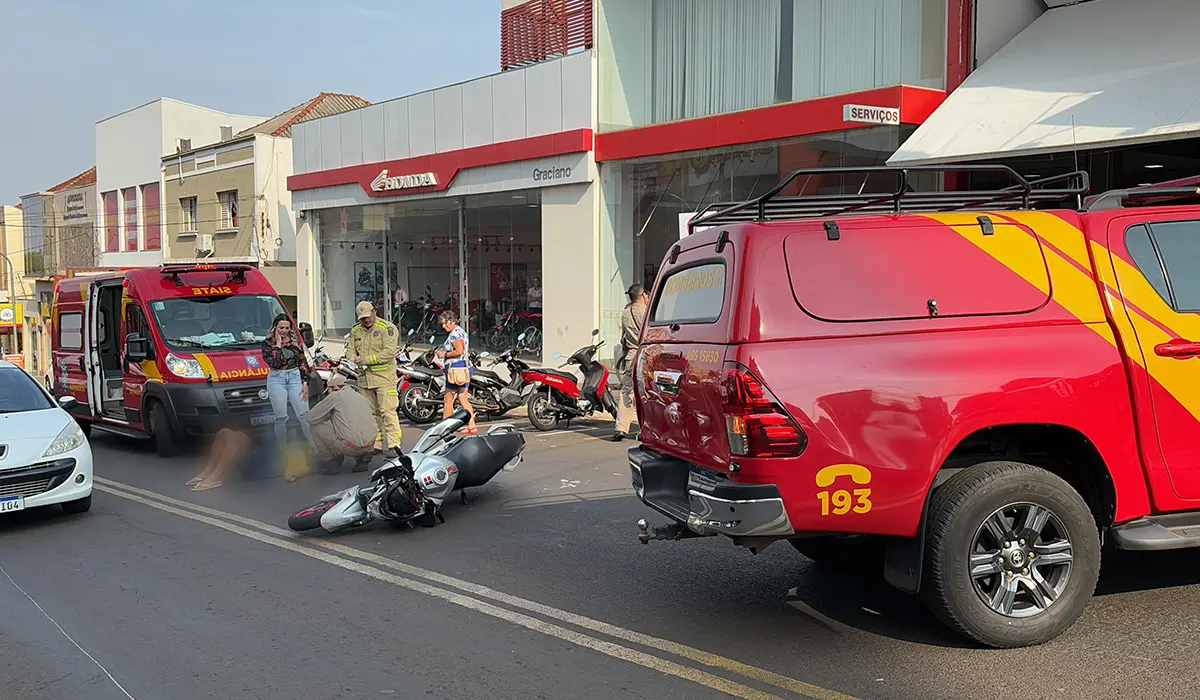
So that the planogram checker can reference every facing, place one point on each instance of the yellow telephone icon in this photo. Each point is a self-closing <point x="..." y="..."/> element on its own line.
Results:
<point x="841" y="502"/>
<point x="858" y="473"/>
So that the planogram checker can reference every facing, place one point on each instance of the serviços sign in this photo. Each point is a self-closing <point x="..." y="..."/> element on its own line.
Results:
<point x="866" y="114"/>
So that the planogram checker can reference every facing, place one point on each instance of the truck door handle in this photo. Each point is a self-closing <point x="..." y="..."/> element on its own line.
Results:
<point x="1178" y="348"/>
<point x="82" y="366"/>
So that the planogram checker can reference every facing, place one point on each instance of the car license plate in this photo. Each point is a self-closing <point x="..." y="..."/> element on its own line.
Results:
<point x="11" y="504"/>
<point x="262" y="420"/>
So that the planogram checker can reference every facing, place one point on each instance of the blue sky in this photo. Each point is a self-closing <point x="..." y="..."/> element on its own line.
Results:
<point x="66" y="64"/>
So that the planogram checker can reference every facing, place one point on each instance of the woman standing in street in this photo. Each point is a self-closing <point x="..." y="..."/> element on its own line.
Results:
<point x="455" y="353"/>
<point x="287" y="381"/>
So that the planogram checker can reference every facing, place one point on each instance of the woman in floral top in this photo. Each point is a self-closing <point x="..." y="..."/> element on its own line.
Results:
<point x="288" y="378"/>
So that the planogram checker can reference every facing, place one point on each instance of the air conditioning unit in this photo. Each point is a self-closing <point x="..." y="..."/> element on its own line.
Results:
<point x="182" y="145"/>
<point x="204" y="244"/>
<point x="226" y="133"/>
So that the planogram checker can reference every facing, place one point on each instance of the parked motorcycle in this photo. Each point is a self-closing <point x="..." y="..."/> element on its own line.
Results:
<point x="559" y="396"/>
<point x="414" y="487"/>
<point x="491" y="394"/>
<point x="324" y="367"/>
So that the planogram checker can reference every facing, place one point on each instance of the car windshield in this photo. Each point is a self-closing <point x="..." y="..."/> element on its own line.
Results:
<point x="20" y="393"/>
<point x="237" y="321"/>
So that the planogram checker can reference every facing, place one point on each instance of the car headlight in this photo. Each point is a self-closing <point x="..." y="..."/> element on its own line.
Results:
<point x="188" y="369"/>
<point x="68" y="439"/>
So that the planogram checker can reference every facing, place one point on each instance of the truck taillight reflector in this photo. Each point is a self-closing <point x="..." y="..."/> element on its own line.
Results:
<point x="756" y="424"/>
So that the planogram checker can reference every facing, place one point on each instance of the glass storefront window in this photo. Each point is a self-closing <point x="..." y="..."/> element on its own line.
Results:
<point x="664" y="60"/>
<point x="648" y="202"/>
<point x="479" y="256"/>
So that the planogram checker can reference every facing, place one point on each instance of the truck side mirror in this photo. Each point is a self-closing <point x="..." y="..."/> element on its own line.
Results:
<point x="138" y="348"/>
<point x="306" y="333"/>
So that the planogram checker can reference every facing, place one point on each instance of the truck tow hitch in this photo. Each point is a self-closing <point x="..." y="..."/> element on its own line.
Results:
<point x="674" y="531"/>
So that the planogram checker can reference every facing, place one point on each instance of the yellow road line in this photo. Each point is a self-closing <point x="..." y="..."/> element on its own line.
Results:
<point x="698" y="655"/>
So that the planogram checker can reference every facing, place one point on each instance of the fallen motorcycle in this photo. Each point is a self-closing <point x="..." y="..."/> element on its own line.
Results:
<point x="411" y="489"/>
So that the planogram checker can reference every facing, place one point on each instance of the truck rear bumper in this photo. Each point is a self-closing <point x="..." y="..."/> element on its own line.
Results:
<point x="706" y="506"/>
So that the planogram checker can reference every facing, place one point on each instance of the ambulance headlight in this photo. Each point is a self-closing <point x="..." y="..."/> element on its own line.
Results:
<point x="188" y="369"/>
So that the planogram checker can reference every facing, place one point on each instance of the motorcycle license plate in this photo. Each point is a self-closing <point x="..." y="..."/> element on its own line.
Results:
<point x="262" y="420"/>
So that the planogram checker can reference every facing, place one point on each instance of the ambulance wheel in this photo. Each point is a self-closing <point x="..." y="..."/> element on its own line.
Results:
<point x="160" y="427"/>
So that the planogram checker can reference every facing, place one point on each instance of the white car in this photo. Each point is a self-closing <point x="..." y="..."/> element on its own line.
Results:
<point x="45" y="458"/>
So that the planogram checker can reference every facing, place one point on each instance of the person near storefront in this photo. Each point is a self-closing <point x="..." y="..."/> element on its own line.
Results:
<point x="342" y="425"/>
<point x="632" y="318"/>
<point x="374" y="343"/>
<point x="455" y="353"/>
<point x="287" y="381"/>
<point x="535" y="296"/>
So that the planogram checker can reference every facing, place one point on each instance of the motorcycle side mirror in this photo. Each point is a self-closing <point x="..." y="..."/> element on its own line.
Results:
<point x="596" y="332"/>
<point x="306" y="333"/>
<point x="521" y="338"/>
<point x="411" y="331"/>
<point x="431" y="338"/>
<point x="556" y="356"/>
<point x="484" y="354"/>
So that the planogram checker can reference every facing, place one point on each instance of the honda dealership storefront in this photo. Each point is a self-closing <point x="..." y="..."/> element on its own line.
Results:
<point x="477" y="197"/>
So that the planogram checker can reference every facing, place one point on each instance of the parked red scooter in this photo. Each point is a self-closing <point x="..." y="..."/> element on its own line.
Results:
<point x="558" y="395"/>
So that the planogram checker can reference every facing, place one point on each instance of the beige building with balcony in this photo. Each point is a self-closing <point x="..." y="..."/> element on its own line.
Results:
<point x="230" y="199"/>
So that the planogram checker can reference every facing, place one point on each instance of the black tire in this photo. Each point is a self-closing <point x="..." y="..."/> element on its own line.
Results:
<point x="417" y="413"/>
<point x="316" y="387"/>
<point x="539" y="399"/>
<point x="851" y="553"/>
<point x="310" y="517"/>
<point x="81" y="505"/>
<point x="956" y="522"/>
<point x="495" y="339"/>
<point x="165" y="442"/>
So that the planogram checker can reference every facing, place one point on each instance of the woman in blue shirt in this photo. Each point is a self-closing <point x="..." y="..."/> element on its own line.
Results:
<point x="457" y="363"/>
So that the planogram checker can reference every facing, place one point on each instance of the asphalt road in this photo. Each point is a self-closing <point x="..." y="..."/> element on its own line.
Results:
<point x="538" y="588"/>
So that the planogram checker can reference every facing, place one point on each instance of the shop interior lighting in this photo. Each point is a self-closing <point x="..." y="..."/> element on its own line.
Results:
<point x="1154" y="166"/>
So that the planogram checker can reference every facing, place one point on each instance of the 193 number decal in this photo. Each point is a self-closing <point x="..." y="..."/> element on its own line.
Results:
<point x="842" y="501"/>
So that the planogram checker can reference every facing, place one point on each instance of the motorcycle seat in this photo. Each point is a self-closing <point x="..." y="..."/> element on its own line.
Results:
<point x="558" y="373"/>
<point x="488" y="374"/>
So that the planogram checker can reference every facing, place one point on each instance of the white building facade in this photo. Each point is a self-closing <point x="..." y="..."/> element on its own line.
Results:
<point x="480" y="197"/>
<point x="129" y="150"/>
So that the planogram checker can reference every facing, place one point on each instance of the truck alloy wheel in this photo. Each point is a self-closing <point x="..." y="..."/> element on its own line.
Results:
<point x="1013" y="554"/>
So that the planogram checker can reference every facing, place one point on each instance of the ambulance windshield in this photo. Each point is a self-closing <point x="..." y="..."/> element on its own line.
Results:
<point x="237" y="321"/>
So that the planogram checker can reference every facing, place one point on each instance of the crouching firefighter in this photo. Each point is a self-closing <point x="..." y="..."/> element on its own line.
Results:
<point x="374" y="343"/>
<point x="342" y="425"/>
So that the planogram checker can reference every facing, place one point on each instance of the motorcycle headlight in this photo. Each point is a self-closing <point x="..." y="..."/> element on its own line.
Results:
<point x="188" y="369"/>
<point x="68" y="439"/>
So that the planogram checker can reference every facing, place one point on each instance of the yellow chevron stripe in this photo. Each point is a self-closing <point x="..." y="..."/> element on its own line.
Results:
<point x="206" y="364"/>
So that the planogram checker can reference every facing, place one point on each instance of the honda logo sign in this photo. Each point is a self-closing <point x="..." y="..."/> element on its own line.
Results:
<point x="384" y="183"/>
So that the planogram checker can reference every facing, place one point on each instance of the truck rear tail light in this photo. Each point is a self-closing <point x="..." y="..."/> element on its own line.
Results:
<point x="755" y="422"/>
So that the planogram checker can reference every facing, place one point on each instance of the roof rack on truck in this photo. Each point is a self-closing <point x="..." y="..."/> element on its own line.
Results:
<point x="1022" y="194"/>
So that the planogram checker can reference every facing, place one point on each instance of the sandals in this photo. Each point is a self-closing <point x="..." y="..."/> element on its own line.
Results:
<point x="470" y="431"/>
<point x="195" y="480"/>
<point x="206" y="487"/>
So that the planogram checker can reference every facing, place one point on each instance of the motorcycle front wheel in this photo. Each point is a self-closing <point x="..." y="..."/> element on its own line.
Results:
<point x="413" y="404"/>
<point x="541" y="415"/>
<point x="310" y="517"/>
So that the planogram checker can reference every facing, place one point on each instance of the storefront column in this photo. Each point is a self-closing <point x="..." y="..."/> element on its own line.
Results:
<point x="463" y="277"/>
<point x="569" y="268"/>
<point x="308" y="268"/>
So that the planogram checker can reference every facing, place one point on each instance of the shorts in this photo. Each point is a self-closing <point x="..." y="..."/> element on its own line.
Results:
<point x="455" y="388"/>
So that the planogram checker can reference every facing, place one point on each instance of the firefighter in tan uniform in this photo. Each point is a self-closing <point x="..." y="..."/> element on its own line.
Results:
<point x="374" y="343"/>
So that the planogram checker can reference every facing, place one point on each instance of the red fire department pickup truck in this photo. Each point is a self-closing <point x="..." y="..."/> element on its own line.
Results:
<point x="973" y="388"/>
